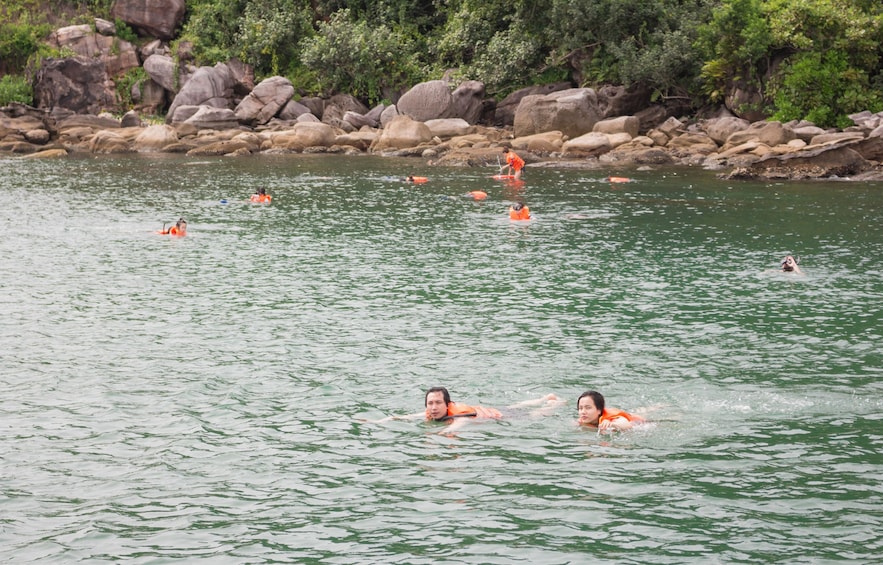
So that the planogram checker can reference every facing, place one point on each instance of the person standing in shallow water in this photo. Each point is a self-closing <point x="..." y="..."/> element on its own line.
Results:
<point x="593" y="413"/>
<point x="513" y="163"/>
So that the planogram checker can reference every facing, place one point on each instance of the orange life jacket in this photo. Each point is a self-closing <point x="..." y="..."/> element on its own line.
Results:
<point x="523" y="214"/>
<point x="417" y="179"/>
<point x="610" y="414"/>
<point x="478" y="194"/>
<point x="456" y="410"/>
<point x="261" y="198"/>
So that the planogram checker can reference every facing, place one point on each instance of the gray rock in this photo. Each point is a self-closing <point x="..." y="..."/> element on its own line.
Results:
<point x="105" y="27"/>
<point x="154" y="18"/>
<point x="572" y="112"/>
<point x="209" y="86"/>
<point x="163" y="70"/>
<point x="265" y="101"/>
<point x="427" y="101"/>
<point x="77" y="84"/>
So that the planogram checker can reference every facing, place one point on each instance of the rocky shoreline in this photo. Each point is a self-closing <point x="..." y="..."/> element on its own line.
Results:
<point x="220" y="111"/>
<point x="737" y="148"/>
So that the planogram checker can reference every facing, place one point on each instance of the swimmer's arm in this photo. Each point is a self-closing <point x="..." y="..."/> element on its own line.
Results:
<point x="399" y="417"/>
<point x="550" y="399"/>
<point x="618" y="424"/>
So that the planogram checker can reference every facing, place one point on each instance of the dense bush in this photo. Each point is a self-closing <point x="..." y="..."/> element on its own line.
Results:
<point x="351" y="57"/>
<point x="18" y="42"/>
<point x="15" y="88"/>
<point x="815" y="59"/>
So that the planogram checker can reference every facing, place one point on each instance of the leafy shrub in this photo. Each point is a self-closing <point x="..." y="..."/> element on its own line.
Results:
<point x="18" y="41"/>
<point x="15" y="88"/>
<point x="270" y="33"/>
<point x="824" y="89"/>
<point x="350" y="57"/>
<point x="125" y="83"/>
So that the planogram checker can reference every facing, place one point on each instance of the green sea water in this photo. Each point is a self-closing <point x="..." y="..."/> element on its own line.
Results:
<point x="209" y="399"/>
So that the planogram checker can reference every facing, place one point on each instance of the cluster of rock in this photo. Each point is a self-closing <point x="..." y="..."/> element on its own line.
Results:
<point x="753" y="150"/>
<point x="219" y="110"/>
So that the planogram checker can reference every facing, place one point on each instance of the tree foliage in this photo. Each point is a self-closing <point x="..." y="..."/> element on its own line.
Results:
<point x="818" y="59"/>
<point x="352" y="57"/>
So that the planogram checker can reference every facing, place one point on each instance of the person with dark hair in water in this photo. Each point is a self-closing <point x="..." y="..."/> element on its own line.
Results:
<point x="593" y="413"/>
<point x="261" y="197"/>
<point x="179" y="229"/>
<point x="519" y="212"/>
<point x="440" y="408"/>
<point x="789" y="265"/>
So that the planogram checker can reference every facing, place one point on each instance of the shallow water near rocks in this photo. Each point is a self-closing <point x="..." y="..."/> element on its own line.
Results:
<point x="204" y="399"/>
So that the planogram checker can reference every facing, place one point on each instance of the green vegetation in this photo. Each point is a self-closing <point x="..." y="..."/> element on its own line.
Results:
<point x="803" y="59"/>
<point x="15" y="88"/>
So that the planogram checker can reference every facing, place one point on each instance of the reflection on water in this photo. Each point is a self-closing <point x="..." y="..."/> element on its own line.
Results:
<point x="204" y="398"/>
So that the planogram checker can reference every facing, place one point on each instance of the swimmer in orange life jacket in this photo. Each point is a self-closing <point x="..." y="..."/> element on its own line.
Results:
<point x="513" y="163"/>
<point x="519" y="211"/>
<point x="592" y="413"/>
<point x="440" y="408"/>
<point x="261" y="197"/>
<point x="179" y="229"/>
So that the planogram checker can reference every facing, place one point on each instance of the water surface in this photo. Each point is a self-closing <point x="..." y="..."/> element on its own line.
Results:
<point x="204" y="399"/>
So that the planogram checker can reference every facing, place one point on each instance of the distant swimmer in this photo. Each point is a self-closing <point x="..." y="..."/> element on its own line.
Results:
<point x="418" y="180"/>
<point x="618" y="179"/>
<point x="476" y="195"/>
<point x="514" y="163"/>
<point x="261" y="197"/>
<point x="440" y="408"/>
<point x="519" y="212"/>
<point x="789" y="265"/>
<point x="179" y="229"/>
<point x="593" y="413"/>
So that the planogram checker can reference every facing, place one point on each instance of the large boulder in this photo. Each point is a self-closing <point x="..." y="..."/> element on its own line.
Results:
<point x="401" y="133"/>
<point x="209" y="117"/>
<point x="616" y="101"/>
<point x="154" y="18"/>
<point x="118" y="55"/>
<point x="504" y="112"/>
<point x="304" y="135"/>
<point x="720" y="129"/>
<point x="427" y="101"/>
<point x="163" y="70"/>
<point x="467" y="101"/>
<point x="336" y="109"/>
<point x="594" y="143"/>
<point x="768" y="133"/>
<point x="265" y="101"/>
<point x="209" y="86"/>
<point x="448" y="127"/>
<point x="155" y="138"/>
<point x="573" y="112"/>
<point x="107" y="141"/>
<point x="292" y="110"/>
<point x="821" y="162"/>
<point x="621" y="124"/>
<point x="79" y="84"/>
